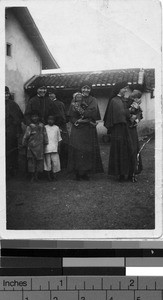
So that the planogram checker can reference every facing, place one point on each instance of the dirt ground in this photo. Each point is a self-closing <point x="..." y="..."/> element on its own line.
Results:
<point x="101" y="203"/>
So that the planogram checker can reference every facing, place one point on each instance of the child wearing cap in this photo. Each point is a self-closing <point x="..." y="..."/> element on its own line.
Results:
<point x="34" y="139"/>
<point x="136" y="113"/>
<point x="51" y="156"/>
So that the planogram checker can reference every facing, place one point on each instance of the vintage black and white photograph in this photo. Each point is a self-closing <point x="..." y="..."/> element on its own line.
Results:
<point x="82" y="98"/>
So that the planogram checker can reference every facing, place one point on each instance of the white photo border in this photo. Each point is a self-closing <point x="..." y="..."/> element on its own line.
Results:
<point x="86" y="235"/>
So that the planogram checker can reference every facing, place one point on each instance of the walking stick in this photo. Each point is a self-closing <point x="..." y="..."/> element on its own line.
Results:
<point x="142" y="147"/>
<point x="138" y="155"/>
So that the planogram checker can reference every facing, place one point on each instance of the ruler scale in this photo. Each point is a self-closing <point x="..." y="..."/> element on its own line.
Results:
<point x="81" y="288"/>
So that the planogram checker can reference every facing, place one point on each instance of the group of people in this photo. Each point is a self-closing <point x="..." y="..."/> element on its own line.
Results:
<point x="46" y="135"/>
<point x="45" y="127"/>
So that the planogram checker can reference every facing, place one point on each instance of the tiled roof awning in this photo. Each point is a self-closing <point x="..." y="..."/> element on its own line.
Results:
<point x="97" y="80"/>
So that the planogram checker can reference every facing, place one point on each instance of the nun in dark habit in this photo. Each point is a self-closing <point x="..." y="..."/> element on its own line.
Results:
<point x="121" y="149"/>
<point x="84" y="152"/>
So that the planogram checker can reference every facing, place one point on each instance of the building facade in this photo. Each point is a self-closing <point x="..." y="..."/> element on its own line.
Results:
<point x="23" y="57"/>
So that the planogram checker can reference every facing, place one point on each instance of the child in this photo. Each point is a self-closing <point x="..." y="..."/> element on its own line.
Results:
<point x="51" y="156"/>
<point x="80" y="106"/>
<point x="135" y="109"/>
<point x="35" y="138"/>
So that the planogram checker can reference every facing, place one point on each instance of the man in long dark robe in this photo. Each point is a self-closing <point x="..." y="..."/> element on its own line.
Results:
<point x="84" y="151"/>
<point x="42" y="104"/>
<point x="14" y="117"/>
<point x="121" y="149"/>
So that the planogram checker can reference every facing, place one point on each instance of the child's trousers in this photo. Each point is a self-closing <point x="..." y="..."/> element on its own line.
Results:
<point x="35" y="165"/>
<point x="52" y="162"/>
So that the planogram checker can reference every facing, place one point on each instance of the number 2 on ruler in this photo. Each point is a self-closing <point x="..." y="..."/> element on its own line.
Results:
<point x="131" y="282"/>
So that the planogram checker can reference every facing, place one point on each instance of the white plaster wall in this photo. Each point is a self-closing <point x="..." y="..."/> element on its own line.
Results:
<point x="148" y="106"/>
<point x="147" y="124"/>
<point x="25" y="61"/>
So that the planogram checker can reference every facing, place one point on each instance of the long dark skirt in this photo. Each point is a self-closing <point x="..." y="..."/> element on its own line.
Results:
<point x="84" y="152"/>
<point x="136" y="166"/>
<point x="121" y="151"/>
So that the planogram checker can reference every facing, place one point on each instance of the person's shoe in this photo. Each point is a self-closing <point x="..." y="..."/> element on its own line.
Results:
<point x="49" y="176"/>
<point x="36" y="179"/>
<point x="132" y="178"/>
<point x="86" y="177"/>
<point x="121" y="178"/>
<point x="77" y="177"/>
<point x="54" y="176"/>
<point x="32" y="178"/>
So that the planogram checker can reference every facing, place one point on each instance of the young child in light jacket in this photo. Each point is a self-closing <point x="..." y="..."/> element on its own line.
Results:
<point x="51" y="156"/>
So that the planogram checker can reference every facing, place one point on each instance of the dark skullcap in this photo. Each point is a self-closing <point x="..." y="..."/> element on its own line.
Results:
<point x="42" y="87"/>
<point x="137" y="93"/>
<point x="119" y="86"/>
<point x="35" y="112"/>
<point x="52" y="92"/>
<point x="7" y="89"/>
